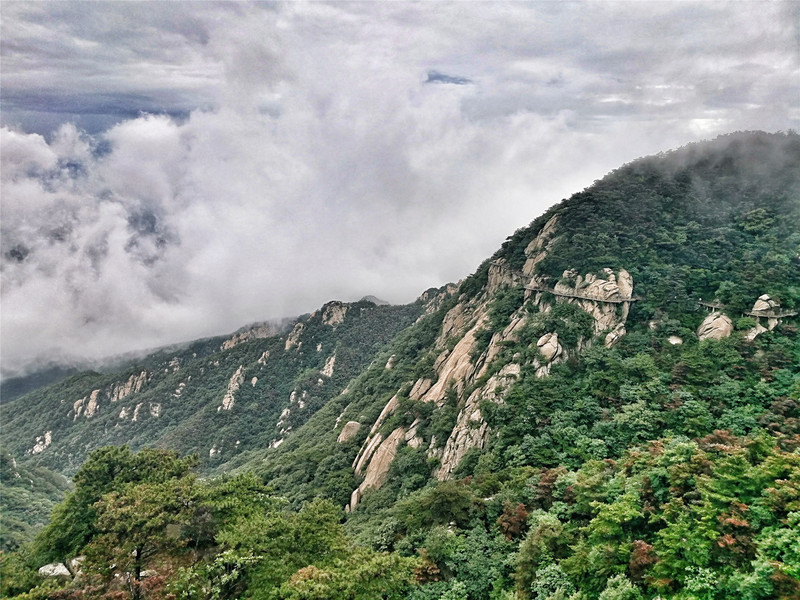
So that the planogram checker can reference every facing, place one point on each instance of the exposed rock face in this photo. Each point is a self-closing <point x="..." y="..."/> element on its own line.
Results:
<point x="374" y="438"/>
<point x="262" y="360"/>
<point x="93" y="404"/>
<point x="433" y="299"/>
<point x="496" y="343"/>
<point x="453" y="323"/>
<point x="764" y="302"/>
<point x="549" y="347"/>
<point x="500" y="274"/>
<point x="420" y="387"/>
<point x="615" y="335"/>
<point x="378" y="468"/>
<point x="133" y="385"/>
<point x="675" y="340"/>
<point x="753" y="333"/>
<point x="715" y="326"/>
<point x="155" y="409"/>
<point x="349" y="431"/>
<point x="77" y="408"/>
<point x="54" y="570"/>
<point x="537" y="249"/>
<point x="136" y="412"/>
<point x="253" y="381"/>
<point x="551" y="352"/>
<point x="42" y="442"/>
<point x="255" y="332"/>
<point x="602" y="296"/>
<point x="390" y="363"/>
<point x="327" y="370"/>
<point x="293" y="340"/>
<point x="471" y="431"/>
<point x="333" y="314"/>
<point x="233" y="386"/>
<point x="454" y="368"/>
<point x="299" y="399"/>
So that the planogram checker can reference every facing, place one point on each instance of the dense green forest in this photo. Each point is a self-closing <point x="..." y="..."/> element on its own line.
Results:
<point x="542" y="432"/>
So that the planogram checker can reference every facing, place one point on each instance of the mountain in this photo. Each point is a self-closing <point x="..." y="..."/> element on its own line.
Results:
<point x="609" y="407"/>
<point x="214" y="397"/>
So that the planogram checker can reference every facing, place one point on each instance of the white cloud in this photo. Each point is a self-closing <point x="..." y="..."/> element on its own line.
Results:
<point x="311" y="160"/>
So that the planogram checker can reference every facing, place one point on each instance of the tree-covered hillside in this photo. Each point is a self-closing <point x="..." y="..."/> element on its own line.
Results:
<point x="608" y="409"/>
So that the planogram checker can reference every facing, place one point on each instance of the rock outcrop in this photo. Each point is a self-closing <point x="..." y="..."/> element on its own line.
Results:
<point x="501" y="275"/>
<point x="753" y="333"/>
<point x="433" y="298"/>
<point x="348" y="432"/>
<point x="767" y="306"/>
<point x="765" y="303"/>
<point x="327" y="370"/>
<point x="333" y="313"/>
<point x="614" y="336"/>
<point x="603" y="296"/>
<point x="550" y="351"/>
<point x="715" y="326"/>
<point x="293" y="339"/>
<point x="374" y="438"/>
<point x="253" y="332"/>
<point x="233" y="386"/>
<point x="42" y="442"/>
<point x="455" y="367"/>
<point x="378" y="469"/>
<point x="54" y="570"/>
<point x="134" y="384"/>
<point x="471" y="430"/>
<point x="537" y="249"/>
<point x="87" y="406"/>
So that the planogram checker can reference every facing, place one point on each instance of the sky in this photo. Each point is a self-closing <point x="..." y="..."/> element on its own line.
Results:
<point x="173" y="170"/>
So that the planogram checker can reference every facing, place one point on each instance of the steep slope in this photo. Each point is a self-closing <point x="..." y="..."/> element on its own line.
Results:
<point x="215" y="397"/>
<point x="622" y="264"/>
<point x="29" y="494"/>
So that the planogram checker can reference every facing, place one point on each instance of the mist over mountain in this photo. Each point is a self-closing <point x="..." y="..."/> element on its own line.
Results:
<point x="173" y="170"/>
<point x="607" y="407"/>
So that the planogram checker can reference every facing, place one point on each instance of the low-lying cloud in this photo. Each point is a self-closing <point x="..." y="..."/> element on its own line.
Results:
<point x="287" y="155"/>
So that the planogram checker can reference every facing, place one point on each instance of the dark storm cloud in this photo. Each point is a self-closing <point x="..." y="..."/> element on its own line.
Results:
<point x="173" y="170"/>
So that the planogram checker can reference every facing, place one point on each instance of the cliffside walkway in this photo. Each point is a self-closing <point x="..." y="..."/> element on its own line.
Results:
<point x="540" y="288"/>
<point x="772" y="314"/>
<point x="619" y="300"/>
<point x="767" y="314"/>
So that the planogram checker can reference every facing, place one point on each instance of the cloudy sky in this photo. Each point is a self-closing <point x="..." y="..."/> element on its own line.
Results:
<point x="176" y="170"/>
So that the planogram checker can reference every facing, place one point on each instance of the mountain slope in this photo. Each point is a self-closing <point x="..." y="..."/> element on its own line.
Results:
<point x="715" y="221"/>
<point x="608" y="408"/>
<point x="214" y="397"/>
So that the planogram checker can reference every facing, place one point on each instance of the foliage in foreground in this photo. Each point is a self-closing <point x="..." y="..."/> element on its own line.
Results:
<point x="147" y="527"/>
